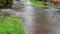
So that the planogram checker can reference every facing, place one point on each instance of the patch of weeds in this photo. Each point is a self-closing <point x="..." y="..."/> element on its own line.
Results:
<point x="11" y="25"/>
<point x="38" y="3"/>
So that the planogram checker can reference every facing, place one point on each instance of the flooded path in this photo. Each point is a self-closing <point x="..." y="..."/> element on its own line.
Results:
<point x="37" y="20"/>
<point x="40" y="21"/>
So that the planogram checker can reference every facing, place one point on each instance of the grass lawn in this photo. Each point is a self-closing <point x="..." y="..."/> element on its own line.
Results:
<point x="11" y="25"/>
<point x="38" y="3"/>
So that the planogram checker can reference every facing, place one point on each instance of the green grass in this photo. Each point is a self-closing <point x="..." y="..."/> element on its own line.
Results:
<point x="11" y="25"/>
<point x="38" y="3"/>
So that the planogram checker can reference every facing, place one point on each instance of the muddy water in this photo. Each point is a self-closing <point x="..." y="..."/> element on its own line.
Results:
<point x="37" y="20"/>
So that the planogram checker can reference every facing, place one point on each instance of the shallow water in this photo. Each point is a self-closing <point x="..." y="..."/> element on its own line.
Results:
<point x="37" y="20"/>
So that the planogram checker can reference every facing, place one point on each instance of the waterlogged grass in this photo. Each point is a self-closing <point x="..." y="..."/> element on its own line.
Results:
<point x="38" y="3"/>
<point x="11" y="25"/>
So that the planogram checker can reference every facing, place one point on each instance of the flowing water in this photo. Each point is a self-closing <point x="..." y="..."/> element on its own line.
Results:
<point x="35" y="19"/>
